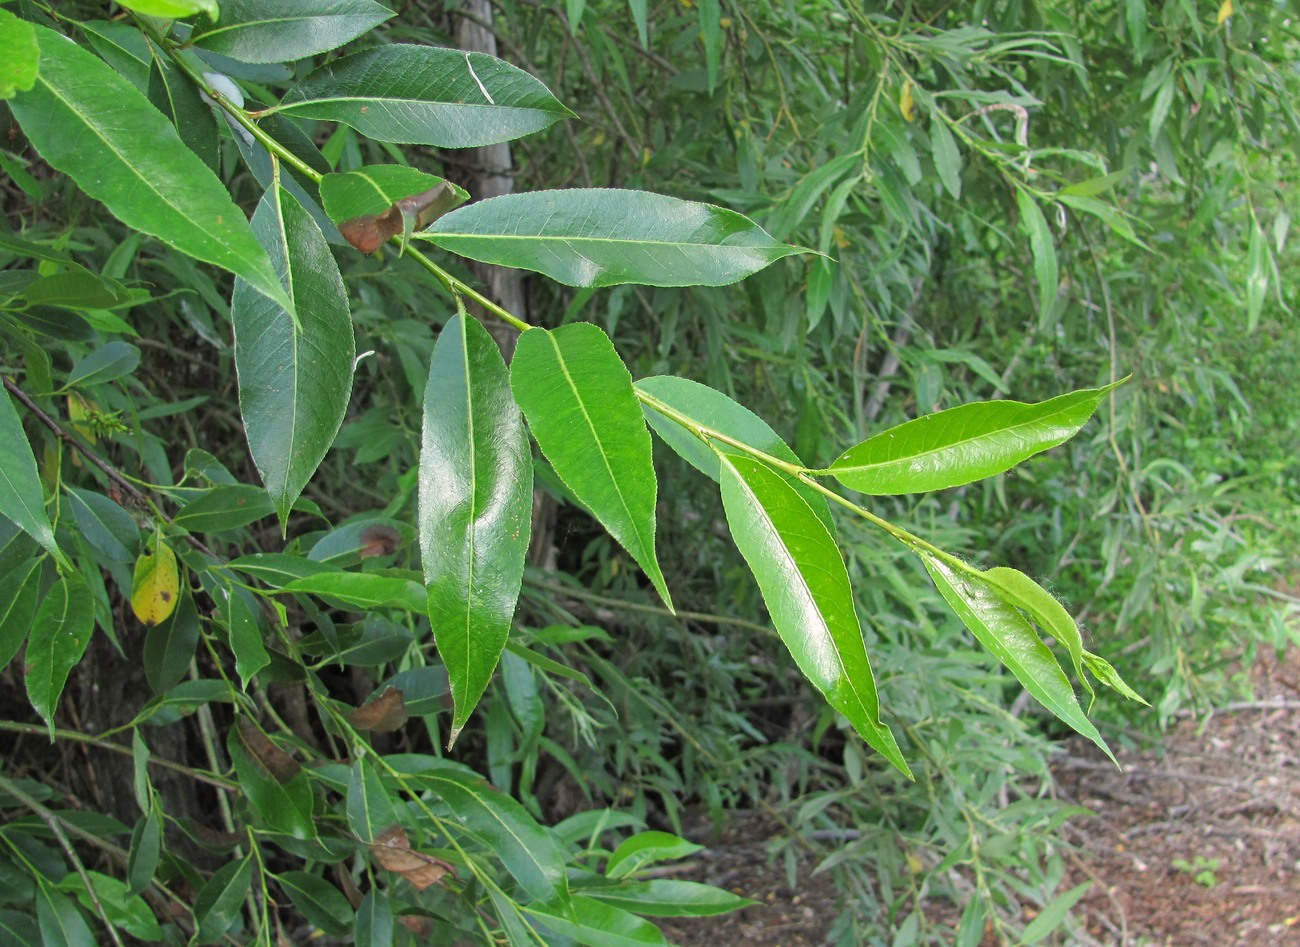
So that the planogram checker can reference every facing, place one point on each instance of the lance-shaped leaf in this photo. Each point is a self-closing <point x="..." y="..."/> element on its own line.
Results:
<point x="577" y="396"/>
<point x="21" y="499"/>
<point x="476" y="504"/>
<point x="604" y="237"/>
<point x="60" y="632"/>
<point x="19" y="594"/>
<point x="963" y="444"/>
<point x="998" y="625"/>
<point x="371" y="204"/>
<point x="370" y="810"/>
<point x="712" y="409"/>
<point x="589" y="921"/>
<point x="363" y="590"/>
<point x="426" y="95"/>
<point x="294" y="380"/>
<point x="265" y="31"/>
<point x="806" y="588"/>
<point x="222" y="898"/>
<point x="666" y="897"/>
<point x="277" y="790"/>
<point x="96" y="127"/>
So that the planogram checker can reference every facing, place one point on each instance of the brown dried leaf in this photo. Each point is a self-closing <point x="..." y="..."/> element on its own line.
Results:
<point x="278" y="763"/>
<point x="382" y="714"/>
<point x="349" y="886"/>
<point x="378" y="539"/>
<point x="392" y="849"/>
<point x="369" y="232"/>
<point x="417" y="924"/>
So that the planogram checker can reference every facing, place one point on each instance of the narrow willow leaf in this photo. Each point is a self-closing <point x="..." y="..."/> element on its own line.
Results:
<point x="666" y="897"/>
<point x="169" y="646"/>
<point x="222" y="898"/>
<point x="1018" y="589"/>
<point x="111" y="530"/>
<point x="426" y="95"/>
<point x="101" y="131"/>
<point x="714" y="410"/>
<point x="319" y="901"/>
<point x="363" y="590"/>
<point x="605" y="237"/>
<point x="60" y="632"/>
<point x="146" y="850"/>
<point x="22" y="55"/>
<point x="595" y="922"/>
<point x="294" y="379"/>
<point x="962" y="444"/>
<point x="577" y="396"/>
<point x="1102" y="670"/>
<point x="947" y="160"/>
<point x="475" y="507"/>
<point x="1258" y="263"/>
<point x="370" y="811"/>
<point x="1043" y="250"/>
<point x="645" y="849"/>
<point x="172" y="9"/>
<point x="19" y="593"/>
<point x="245" y="637"/>
<point x="806" y="588"/>
<point x="374" y="923"/>
<point x="178" y="98"/>
<point x="274" y="31"/>
<point x="1053" y="914"/>
<point x="21" y="499"/>
<point x="529" y="851"/>
<point x="62" y="925"/>
<point x="284" y="804"/>
<point x="1004" y="632"/>
<point x="156" y="584"/>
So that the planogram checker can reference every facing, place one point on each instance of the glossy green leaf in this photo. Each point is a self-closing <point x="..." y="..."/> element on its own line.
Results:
<point x="76" y="289"/>
<point x="175" y="95"/>
<point x="1004" y="632"/>
<point x="284" y="804"/>
<point x="169" y="646"/>
<point x="962" y="444"/>
<point x="172" y="9"/>
<point x="714" y="410"/>
<point x="1043" y="250"/>
<point x="375" y="188"/>
<point x="294" y="379"/>
<point x="645" y="849"/>
<point x="101" y="131"/>
<point x="577" y="396"/>
<point x="374" y="922"/>
<point x="22" y="55"/>
<point x="222" y="898"/>
<point x="278" y="569"/>
<point x="60" y="632"/>
<point x="370" y="810"/>
<point x="111" y="530"/>
<point x="475" y="507"/>
<point x="1018" y="589"/>
<point x="107" y="363"/>
<point x="319" y="901"/>
<point x="806" y="588"/>
<point x="529" y="852"/>
<point x="604" y="237"/>
<point x="1104" y="672"/>
<point x="146" y="850"/>
<point x="273" y="31"/>
<point x="245" y="637"/>
<point x="363" y="590"/>
<point x="595" y="922"/>
<point x="122" y="908"/>
<point x="19" y="592"/>
<point x="225" y="508"/>
<point x="426" y="95"/>
<point x="666" y="897"/>
<point x="22" y="500"/>
<point x="61" y="924"/>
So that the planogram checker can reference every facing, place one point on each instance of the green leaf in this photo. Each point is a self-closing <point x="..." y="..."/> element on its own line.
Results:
<point x="245" y="637"/>
<point x="146" y="850"/>
<point x="595" y="922"/>
<point x="1043" y="250"/>
<point x="106" y="363"/>
<point x="374" y="923"/>
<point x="665" y="897"/>
<point x="806" y="588"/>
<point x="716" y="411"/>
<point x="62" y="925"/>
<point x="1258" y="263"/>
<point x="1102" y="670"/>
<point x="76" y="289"/>
<point x="101" y="131"/>
<point x="529" y="852"/>
<point x="22" y="56"/>
<point x="962" y="444"/>
<point x="273" y="31"/>
<point x="222" y="898"/>
<point x="319" y="901"/>
<point x="122" y="908"/>
<point x="278" y="569"/>
<point x="376" y="188"/>
<point x="172" y="9"/>
<point x="645" y="849"/>
<point x="1018" y="589"/>
<point x="295" y="378"/>
<point x="370" y="811"/>
<point x="640" y="15"/>
<point x="111" y="530"/>
<point x="947" y="160"/>
<point x="1053" y="914"/>
<point x="60" y="632"/>
<point x="605" y="237"/>
<point x="19" y="592"/>
<point x="21" y="499"/>
<point x="284" y="804"/>
<point x="363" y="590"/>
<point x="225" y="508"/>
<point x="178" y="98"/>
<point x="169" y="646"/>
<point x="1004" y="632"/>
<point x="475" y="507"/>
<point x="424" y="690"/>
<point x="577" y="396"/>
<point x="426" y="95"/>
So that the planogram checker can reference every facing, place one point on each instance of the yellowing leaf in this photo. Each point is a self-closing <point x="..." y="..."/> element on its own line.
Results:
<point x="80" y="410"/>
<point x="907" y="104"/>
<point x="156" y="584"/>
<point x="1225" y="11"/>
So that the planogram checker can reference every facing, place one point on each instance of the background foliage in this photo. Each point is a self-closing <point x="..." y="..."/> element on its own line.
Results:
<point x="1014" y="200"/>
